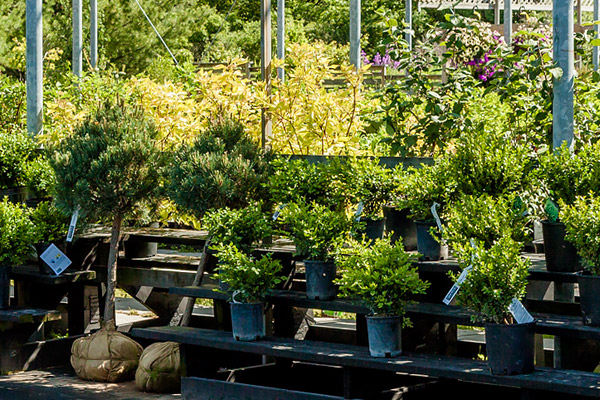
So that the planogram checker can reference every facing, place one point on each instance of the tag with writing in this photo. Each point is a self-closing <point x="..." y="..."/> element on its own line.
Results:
<point x="359" y="211"/>
<point x="72" y="225"/>
<point x="438" y="221"/>
<point x="519" y="312"/>
<point x="278" y="211"/>
<point x="456" y="287"/>
<point x="55" y="259"/>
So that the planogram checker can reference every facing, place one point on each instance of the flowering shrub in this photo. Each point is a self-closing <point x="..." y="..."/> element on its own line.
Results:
<point x="381" y="61"/>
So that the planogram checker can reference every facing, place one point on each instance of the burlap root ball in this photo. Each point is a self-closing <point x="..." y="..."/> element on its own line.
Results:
<point x="105" y="356"/>
<point x="159" y="370"/>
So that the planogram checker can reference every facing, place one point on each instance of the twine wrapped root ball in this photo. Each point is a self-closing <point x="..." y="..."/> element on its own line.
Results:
<point x="105" y="356"/>
<point x="159" y="370"/>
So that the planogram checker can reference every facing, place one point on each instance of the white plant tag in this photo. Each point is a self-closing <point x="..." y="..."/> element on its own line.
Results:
<point x="438" y="221"/>
<point x="72" y="225"/>
<point x="55" y="259"/>
<point x="456" y="287"/>
<point x="359" y="211"/>
<point x="278" y="211"/>
<point x="519" y="312"/>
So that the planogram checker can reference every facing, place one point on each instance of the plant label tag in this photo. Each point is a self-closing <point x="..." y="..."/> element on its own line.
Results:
<point x="72" y="225"/>
<point x="456" y="287"/>
<point x="359" y="211"/>
<point x="55" y="259"/>
<point x="519" y="312"/>
<point x="278" y="211"/>
<point x="438" y="221"/>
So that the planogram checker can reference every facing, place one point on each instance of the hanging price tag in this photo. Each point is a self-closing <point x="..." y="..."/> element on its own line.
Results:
<point x="438" y="221"/>
<point x="55" y="259"/>
<point x="456" y="287"/>
<point x="359" y="211"/>
<point x="72" y="225"/>
<point x="278" y="211"/>
<point x="519" y="312"/>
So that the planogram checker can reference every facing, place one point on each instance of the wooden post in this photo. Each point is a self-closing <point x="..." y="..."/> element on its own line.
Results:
<point x="35" y="93"/>
<point x="355" y="33"/>
<point x="408" y="18"/>
<point x="508" y="22"/>
<point x="94" y="33"/>
<point x="77" y="39"/>
<point x="595" y="51"/>
<point x="265" y="68"/>
<point x="281" y="37"/>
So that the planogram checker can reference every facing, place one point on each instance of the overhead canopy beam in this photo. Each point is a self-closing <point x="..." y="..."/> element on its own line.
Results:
<point x="34" y="71"/>
<point x="564" y="56"/>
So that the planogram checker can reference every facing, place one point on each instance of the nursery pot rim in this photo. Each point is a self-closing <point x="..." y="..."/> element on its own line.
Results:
<point x="548" y="222"/>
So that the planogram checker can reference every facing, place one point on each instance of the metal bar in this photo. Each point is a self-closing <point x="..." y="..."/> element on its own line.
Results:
<point x="596" y="52"/>
<point x="156" y="31"/>
<point x="35" y="92"/>
<point x="355" y="33"/>
<point x="408" y="17"/>
<point x="77" y="39"/>
<point x="508" y="21"/>
<point x="497" y="12"/>
<point x="265" y="68"/>
<point x="564" y="52"/>
<point x="281" y="37"/>
<point x="94" y="33"/>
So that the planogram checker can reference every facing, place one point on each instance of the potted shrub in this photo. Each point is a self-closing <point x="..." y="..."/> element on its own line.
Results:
<point x="369" y="183"/>
<point x="383" y="276"/>
<point x="50" y="226"/>
<point x="566" y="176"/>
<point x="109" y="168"/>
<point x="18" y="150"/>
<point x="315" y="230"/>
<point x="582" y="224"/>
<point x="248" y="280"/>
<point x="498" y="275"/>
<point x="398" y="222"/>
<point x="16" y="238"/>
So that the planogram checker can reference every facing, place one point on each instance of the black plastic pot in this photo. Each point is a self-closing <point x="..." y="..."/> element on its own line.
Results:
<point x="385" y="336"/>
<point x="398" y="222"/>
<point x="4" y="286"/>
<point x="510" y="348"/>
<point x="561" y="255"/>
<point x="429" y="248"/>
<point x="247" y="321"/>
<point x="135" y="248"/>
<point x="319" y="279"/>
<point x="374" y="228"/>
<point x="40" y="248"/>
<point x="589" y="295"/>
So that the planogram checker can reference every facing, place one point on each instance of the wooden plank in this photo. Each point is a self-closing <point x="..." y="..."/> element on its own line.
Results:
<point x="31" y="274"/>
<point x="210" y="389"/>
<point x="28" y="315"/>
<point x="156" y="277"/>
<point x="562" y="381"/>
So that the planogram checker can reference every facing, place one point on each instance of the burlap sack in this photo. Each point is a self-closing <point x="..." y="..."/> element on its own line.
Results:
<point x="105" y="356"/>
<point x="159" y="370"/>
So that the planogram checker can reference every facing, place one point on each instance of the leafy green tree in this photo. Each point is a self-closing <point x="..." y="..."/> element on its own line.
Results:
<point x="109" y="168"/>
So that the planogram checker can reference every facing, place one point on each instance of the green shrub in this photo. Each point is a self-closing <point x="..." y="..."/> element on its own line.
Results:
<point x="224" y="167"/>
<point x="241" y="227"/>
<point x="16" y="233"/>
<point x="316" y="229"/>
<point x="39" y="176"/>
<point x="498" y="276"/>
<point x="249" y="279"/>
<point x="16" y="150"/>
<point x="369" y="182"/>
<point x="582" y="224"/>
<point x="50" y="224"/>
<point x="382" y="275"/>
<point x="422" y="187"/>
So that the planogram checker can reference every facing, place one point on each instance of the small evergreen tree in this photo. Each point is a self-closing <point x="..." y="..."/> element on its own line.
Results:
<point x="108" y="169"/>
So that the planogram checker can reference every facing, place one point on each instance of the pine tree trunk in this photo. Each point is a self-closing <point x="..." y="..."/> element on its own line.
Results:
<point x="111" y="273"/>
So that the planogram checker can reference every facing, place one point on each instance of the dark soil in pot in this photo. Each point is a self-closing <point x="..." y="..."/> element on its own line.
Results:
<point x="510" y="348"/>
<point x="398" y="222"/>
<point x="560" y="254"/>
<point x="385" y="336"/>
<point x="429" y="248"/>
<point x="589" y="297"/>
<point x="319" y="280"/>
<point x="247" y="321"/>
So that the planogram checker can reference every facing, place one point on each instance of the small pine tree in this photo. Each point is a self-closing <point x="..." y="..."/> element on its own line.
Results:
<point x="108" y="169"/>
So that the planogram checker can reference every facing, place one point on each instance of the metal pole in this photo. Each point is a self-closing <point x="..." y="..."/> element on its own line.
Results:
<point x="508" y="21"/>
<point x="35" y="92"/>
<point x="595" y="52"/>
<point x="355" y="33"/>
<point x="265" y="68"/>
<point x="77" y="39"/>
<point x="408" y="17"/>
<point x="562" y="16"/>
<point x="497" y="12"/>
<point x="281" y="37"/>
<point x="94" y="33"/>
